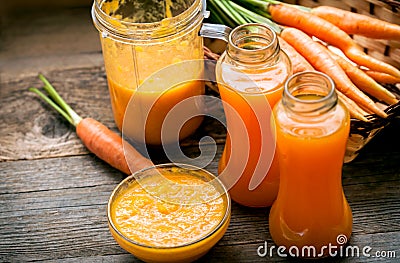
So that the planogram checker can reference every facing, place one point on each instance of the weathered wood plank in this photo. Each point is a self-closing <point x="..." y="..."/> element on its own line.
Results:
<point x="56" y="209"/>
<point x="64" y="192"/>
<point x="46" y="39"/>
<point x="56" y="237"/>
<point x="31" y="129"/>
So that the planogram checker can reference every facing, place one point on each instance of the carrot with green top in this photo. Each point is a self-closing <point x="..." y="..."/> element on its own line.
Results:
<point x="320" y="59"/>
<point x="99" y="139"/>
<point x="354" y="23"/>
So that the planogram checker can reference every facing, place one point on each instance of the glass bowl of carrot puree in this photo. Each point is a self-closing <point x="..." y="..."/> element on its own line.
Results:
<point x="169" y="213"/>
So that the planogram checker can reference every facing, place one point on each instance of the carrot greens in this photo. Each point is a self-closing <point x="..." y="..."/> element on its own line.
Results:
<point x="57" y="102"/>
<point x="100" y="140"/>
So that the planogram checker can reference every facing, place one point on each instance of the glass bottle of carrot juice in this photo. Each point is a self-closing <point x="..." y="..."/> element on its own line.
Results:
<point x="250" y="75"/>
<point x="311" y="214"/>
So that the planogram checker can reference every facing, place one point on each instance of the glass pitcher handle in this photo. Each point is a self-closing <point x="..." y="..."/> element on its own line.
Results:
<point x="215" y="31"/>
<point x="206" y="13"/>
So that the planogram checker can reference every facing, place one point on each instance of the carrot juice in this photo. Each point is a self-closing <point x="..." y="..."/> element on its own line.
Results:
<point x="312" y="129"/>
<point x="251" y="74"/>
<point x="139" y="40"/>
<point x="145" y="119"/>
<point x="249" y="117"/>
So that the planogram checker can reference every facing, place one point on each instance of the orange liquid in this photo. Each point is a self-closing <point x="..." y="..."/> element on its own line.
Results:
<point x="149" y="221"/>
<point x="169" y="213"/>
<point x="155" y="61"/>
<point x="249" y="134"/>
<point x="311" y="209"/>
<point x="152" y="123"/>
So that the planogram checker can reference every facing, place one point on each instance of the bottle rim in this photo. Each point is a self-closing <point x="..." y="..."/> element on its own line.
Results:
<point x="264" y="34"/>
<point x="302" y="81"/>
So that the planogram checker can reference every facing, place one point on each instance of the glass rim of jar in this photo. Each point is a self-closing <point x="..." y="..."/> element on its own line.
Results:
<point x="131" y="178"/>
<point x="235" y="36"/>
<point x="331" y="94"/>
<point x="126" y="31"/>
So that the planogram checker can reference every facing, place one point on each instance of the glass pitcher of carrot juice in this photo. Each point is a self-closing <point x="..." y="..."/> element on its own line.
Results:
<point x="139" y="38"/>
<point x="312" y="127"/>
<point x="250" y="75"/>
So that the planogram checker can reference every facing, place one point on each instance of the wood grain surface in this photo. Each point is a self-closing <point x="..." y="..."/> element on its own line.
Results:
<point x="53" y="192"/>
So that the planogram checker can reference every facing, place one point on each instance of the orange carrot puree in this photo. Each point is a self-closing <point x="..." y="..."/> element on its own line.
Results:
<point x="150" y="221"/>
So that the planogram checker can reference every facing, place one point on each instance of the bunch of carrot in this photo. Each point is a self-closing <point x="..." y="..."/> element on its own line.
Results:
<point x="307" y="35"/>
<point x="104" y="143"/>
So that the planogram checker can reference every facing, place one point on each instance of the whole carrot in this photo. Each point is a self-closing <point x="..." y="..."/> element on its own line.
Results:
<point x="365" y="82"/>
<point x="382" y="77"/>
<point x="353" y="23"/>
<point x="320" y="59"/>
<point x="99" y="139"/>
<point x="326" y="31"/>
<point x="299" y="63"/>
<point x="109" y="146"/>
<point x="355" y="110"/>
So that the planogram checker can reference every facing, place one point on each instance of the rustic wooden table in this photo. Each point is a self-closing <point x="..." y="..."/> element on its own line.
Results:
<point x="53" y="192"/>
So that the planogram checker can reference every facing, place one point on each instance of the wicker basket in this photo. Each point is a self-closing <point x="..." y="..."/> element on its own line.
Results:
<point x="389" y="51"/>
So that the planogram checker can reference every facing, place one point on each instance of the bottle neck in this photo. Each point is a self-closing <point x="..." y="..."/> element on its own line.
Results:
<point x="309" y="94"/>
<point x="253" y="44"/>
